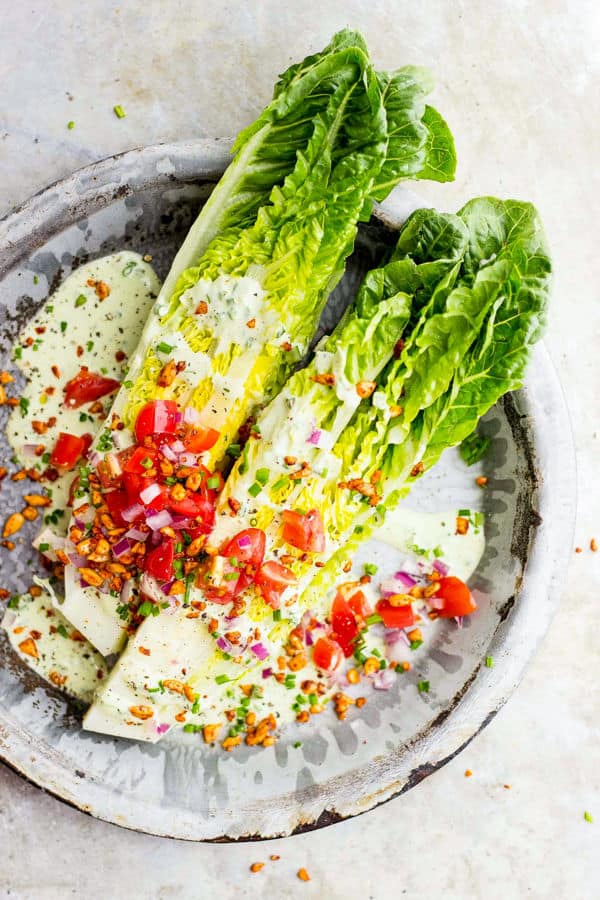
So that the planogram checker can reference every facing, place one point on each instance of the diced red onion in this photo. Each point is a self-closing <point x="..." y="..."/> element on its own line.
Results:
<point x="159" y="520"/>
<point x="266" y="673"/>
<point x="191" y="415"/>
<point x="130" y="513"/>
<point x="436" y="602"/>
<point x="244" y="542"/>
<point x="155" y="538"/>
<point x="259" y="650"/>
<point x="309" y="639"/>
<point x="80" y="524"/>
<point x="459" y="621"/>
<point x="30" y="449"/>
<point x="177" y="447"/>
<point x="392" y="636"/>
<point x="150" y="493"/>
<point x="151" y="588"/>
<point x="166" y="587"/>
<point x="314" y="436"/>
<point x="188" y="459"/>
<point x="384" y="680"/>
<point x="441" y="567"/>
<point x="136" y="534"/>
<point x="405" y="579"/>
<point x="121" y="547"/>
<point x="178" y="417"/>
<point x="389" y="587"/>
<point x="168" y="453"/>
<point x="224" y="645"/>
<point x="162" y="728"/>
<point x="94" y="458"/>
<point x="78" y="560"/>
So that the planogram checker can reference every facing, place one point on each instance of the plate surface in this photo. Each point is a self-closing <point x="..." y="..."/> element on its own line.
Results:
<point x="145" y="200"/>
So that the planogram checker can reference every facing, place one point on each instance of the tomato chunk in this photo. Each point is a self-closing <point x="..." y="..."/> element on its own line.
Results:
<point x="247" y="547"/>
<point x="359" y="604"/>
<point x="140" y="461"/>
<point x="458" y="599"/>
<point x="68" y="449"/>
<point x="272" y="580"/>
<point x="86" y="387"/>
<point x="240" y="559"/>
<point x="117" y="501"/>
<point x="198" y="439"/>
<point x="159" y="562"/>
<point x="327" y="654"/>
<point x="343" y="624"/>
<point x="156" y="417"/>
<point x="306" y="532"/>
<point x="396" y="616"/>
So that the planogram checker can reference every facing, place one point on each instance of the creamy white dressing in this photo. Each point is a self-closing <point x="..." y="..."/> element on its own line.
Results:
<point x="101" y="329"/>
<point x="72" y="665"/>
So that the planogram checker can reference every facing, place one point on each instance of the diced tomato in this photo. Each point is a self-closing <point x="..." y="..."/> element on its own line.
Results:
<point x="395" y="616"/>
<point x="458" y="599"/>
<point x="161" y="501"/>
<point x="306" y="532"/>
<point x="272" y="580"/>
<point x="69" y="448"/>
<point x="327" y="654"/>
<point x="343" y="624"/>
<point x="140" y="461"/>
<point x="86" y="387"/>
<point x="156" y="417"/>
<point x="247" y="547"/>
<point x="198" y="439"/>
<point x="193" y="505"/>
<point x="117" y="501"/>
<point x="159" y="562"/>
<point x="359" y="604"/>
<point x="133" y="484"/>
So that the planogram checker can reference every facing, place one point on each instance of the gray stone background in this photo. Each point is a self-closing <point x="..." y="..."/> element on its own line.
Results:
<point x="518" y="83"/>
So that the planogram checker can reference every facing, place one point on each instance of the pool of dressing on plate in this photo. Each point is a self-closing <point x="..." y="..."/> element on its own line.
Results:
<point x="103" y="331"/>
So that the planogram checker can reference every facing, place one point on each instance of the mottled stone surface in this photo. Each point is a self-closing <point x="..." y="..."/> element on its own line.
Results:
<point x="518" y="82"/>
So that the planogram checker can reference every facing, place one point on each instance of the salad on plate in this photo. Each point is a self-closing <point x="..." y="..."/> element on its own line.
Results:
<point x="214" y="489"/>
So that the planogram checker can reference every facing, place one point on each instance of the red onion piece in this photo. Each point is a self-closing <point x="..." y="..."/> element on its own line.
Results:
<point x="244" y="542"/>
<point x="259" y="650"/>
<point x="94" y="458"/>
<point x="121" y="547"/>
<point x="126" y="590"/>
<point x="166" y="587"/>
<point x="436" y="602"/>
<point x="177" y="447"/>
<point x="78" y="560"/>
<point x="150" y="493"/>
<point x="162" y="728"/>
<point x="384" y="680"/>
<point x="130" y="513"/>
<point x="389" y="587"/>
<point x="266" y="673"/>
<point x="188" y="459"/>
<point x="191" y="415"/>
<point x="405" y="579"/>
<point x="314" y="436"/>
<point x="168" y="453"/>
<point x="136" y="534"/>
<point x="224" y="645"/>
<point x="151" y="588"/>
<point x="309" y="639"/>
<point x="159" y="520"/>
<point x="392" y="636"/>
<point x="441" y="567"/>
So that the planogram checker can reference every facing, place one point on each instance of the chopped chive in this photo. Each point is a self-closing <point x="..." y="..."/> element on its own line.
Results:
<point x="277" y="615"/>
<point x="489" y="662"/>
<point x="90" y="346"/>
<point x="213" y="483"/>
<point x="63" y="327"/>
<point x="18" y="352"/>
<point x="128" y="269"/>
<point x="370" y="569"/>
<point x="196" y="706"/>
<point x="13" y="603"/>
<point x="164" y="347"/>
<point x="119" y="111"/>
<point x="71" y="125"/>
<point x="262" y="476"/>
<point x="376" y="653"/>
<point x="281" y="483"/>
<point x="36" y="280"/>
<point x="313" y="699"/>
<point x="464" y="513"/>
<point x="588" y="817"/>
<point x="414" y="645"/>
<point x="373" y="619"/>
<point x="128" y="384"/>
<point x="24" y="406"/>
<point x="62" y="631"/>
<point x="80" y="301"/>
<point x="231" y="576"/>
<point x="290" y="681"/>
<point x="170" y="479"/>
<point x="221" y="679"/>
<point x="423" y="687"/>
<point x="43" y="547"/>
<point x="190" y="728"/>
<point x="146" y="462"/>
<point x="254" y="489"/>
<point x="234" y="450"/>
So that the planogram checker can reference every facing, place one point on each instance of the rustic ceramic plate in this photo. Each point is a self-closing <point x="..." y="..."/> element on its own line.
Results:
<point x="145" y="200"/>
